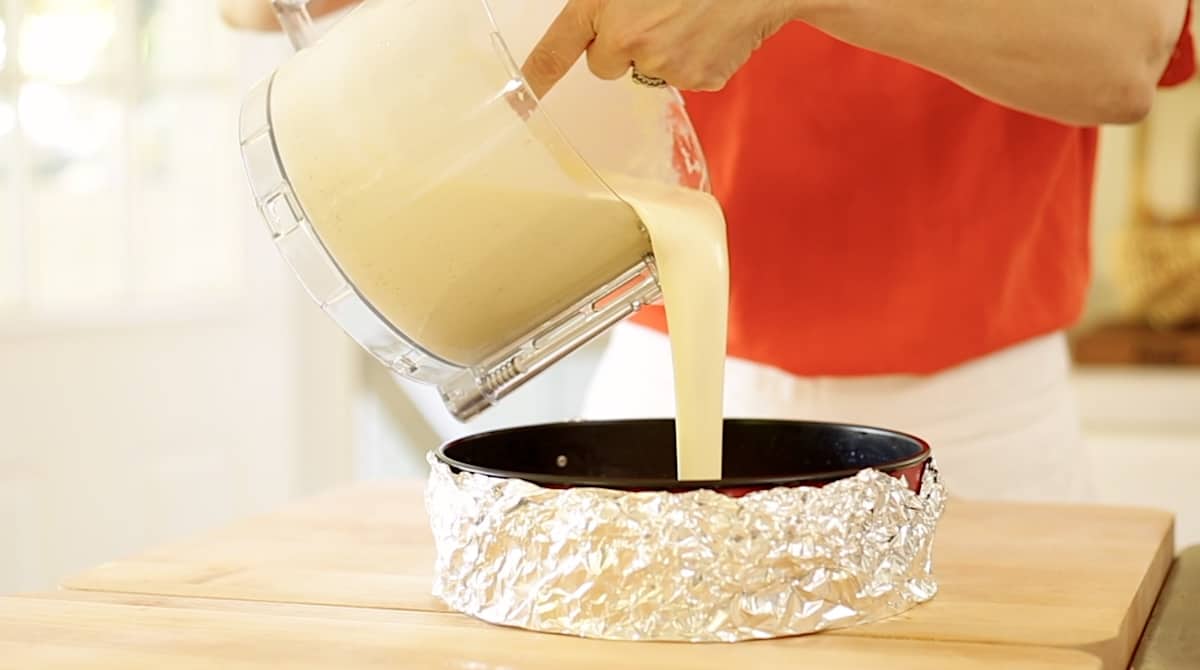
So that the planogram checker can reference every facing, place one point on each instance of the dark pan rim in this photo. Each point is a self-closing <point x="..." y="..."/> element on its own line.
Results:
<point x="653" y="484"/>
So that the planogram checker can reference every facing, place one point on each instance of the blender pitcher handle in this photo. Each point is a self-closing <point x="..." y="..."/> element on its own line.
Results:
<point x="296" y="22"/>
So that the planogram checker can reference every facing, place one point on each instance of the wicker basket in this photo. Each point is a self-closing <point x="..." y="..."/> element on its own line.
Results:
<point x="1157" y="259"/>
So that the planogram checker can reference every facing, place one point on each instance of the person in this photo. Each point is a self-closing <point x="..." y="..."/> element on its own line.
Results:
<point x="908" y="190"/>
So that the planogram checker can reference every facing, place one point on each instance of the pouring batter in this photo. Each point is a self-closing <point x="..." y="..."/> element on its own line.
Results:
<point x="907" y="187"/>
<point x="687" y="229"/>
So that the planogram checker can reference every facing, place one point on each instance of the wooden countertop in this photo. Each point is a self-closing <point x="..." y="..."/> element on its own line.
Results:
<point x="342" y="581"/>
<point x="125" y="632"/>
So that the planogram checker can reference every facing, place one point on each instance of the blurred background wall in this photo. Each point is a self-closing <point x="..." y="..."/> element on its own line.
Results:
<point x="161" y="372"/>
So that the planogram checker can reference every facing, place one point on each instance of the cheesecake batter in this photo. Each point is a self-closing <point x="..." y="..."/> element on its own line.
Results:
<point x="687" y="230"/>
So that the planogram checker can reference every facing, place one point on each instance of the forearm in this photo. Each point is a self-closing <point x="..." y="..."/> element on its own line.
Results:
<point x="1078" y="61"/>
<point x="258" y="15"/>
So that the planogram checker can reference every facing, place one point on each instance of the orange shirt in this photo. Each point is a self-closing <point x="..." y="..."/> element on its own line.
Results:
<point x="885" y="220"/>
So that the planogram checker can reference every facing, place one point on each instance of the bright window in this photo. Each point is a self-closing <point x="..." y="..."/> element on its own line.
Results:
<point x="120" y="184"/>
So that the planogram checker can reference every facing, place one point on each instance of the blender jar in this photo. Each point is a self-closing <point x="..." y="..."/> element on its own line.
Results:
<point x="428" y="203"/>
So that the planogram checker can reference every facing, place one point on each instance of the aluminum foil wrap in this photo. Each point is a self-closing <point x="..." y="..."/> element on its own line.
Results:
<point x="698" y="566"/>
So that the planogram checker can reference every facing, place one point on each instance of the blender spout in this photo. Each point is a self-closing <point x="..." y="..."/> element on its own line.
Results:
<point x="296" y="22"/>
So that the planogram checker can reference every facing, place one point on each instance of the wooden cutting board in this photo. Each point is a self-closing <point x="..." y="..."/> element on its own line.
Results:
<point x="1077" y="579"/>
<point x="124" y="632"/>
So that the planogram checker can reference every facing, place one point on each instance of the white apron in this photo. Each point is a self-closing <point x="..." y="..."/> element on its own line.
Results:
<point x="1003" y="427"/>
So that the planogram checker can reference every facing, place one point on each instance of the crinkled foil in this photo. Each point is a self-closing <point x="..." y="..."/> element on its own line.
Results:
<point x="697" y="566"/>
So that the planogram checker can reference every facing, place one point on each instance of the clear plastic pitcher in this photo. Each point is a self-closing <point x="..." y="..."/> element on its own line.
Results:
<point x="428" y="203"/>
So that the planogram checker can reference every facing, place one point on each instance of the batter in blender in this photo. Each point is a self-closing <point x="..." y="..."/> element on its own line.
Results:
<point x="494" y="226"/>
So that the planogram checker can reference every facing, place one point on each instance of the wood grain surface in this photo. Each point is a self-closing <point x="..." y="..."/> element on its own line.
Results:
<point x="1073" y="578"/>
<point x="115" y="632"/>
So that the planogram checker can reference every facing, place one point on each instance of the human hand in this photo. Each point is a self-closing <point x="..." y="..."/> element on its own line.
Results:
<point x="691" y="44"/>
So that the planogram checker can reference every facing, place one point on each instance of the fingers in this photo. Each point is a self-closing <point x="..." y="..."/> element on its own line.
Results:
<point x="660" y="38"/>
<point x="608" y="56"/>
<point x="566" y="40"/>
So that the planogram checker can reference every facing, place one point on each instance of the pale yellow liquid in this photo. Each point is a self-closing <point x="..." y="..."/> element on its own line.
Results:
<point x="469" y="232"/>
<point x="687" y="230"/>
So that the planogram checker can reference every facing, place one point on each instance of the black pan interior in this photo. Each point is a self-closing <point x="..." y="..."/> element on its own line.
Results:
<point x="641" y="454"/>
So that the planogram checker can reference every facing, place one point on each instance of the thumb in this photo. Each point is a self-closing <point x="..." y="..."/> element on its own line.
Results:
<point x="560" y="48"/>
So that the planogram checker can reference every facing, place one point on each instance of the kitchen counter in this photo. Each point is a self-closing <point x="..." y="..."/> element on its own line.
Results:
<point x="1172" y="638"/>
<point x="342" y="581"/>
